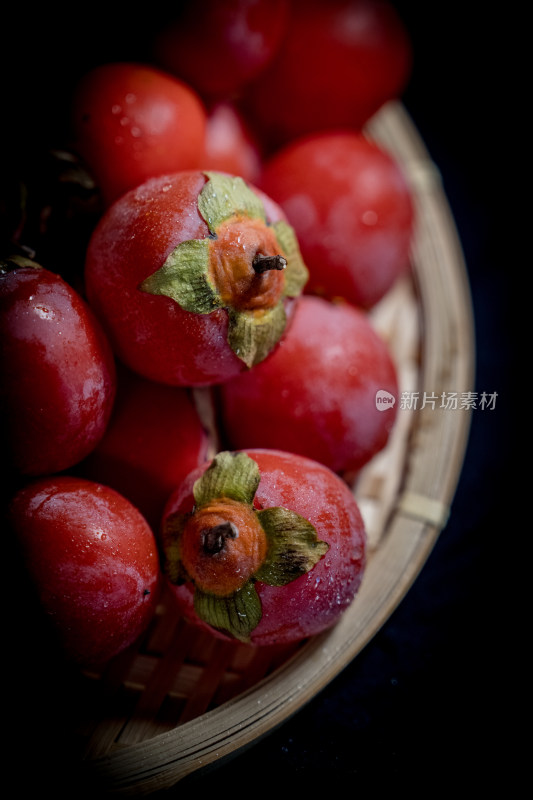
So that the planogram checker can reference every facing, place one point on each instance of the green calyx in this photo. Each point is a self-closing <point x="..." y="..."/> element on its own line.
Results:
<point x="224" y="196"/>
<point x="290" y="545"/>
<point x="187" y="276"/>
<point x="231" y="475"/>
<point x="15" y="262"/>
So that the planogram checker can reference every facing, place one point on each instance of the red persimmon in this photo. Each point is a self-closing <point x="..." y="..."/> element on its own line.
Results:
<point x="340" y="61"/>
<point x="320" y="393"/>
<point x="93" y="562"/>
<point x="133" y="122"/>
<point x="56" y="368"/>
<point x="194" y="276"/>
<point x="352" y="209"/>
<point x="263" y="546"/>
<point x="219" y="47"/>
<point x="154" y="438"/>
<point x="230" y="146"/>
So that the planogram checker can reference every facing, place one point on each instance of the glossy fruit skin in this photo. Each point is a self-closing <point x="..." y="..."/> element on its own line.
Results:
<point x="352" y="209"/>
<point x="340" y="61"/>
<point x="220" y="47"/>
<point x="153" y="335"/>
<point x="316" y="395"/>
<point x="93" y="562"/>
<point x="58" y="378"/>
<point x="315" y="601"/>
<point x="230" y="146"/>
<point x="133" y="122"/>
<point x="154" y="438"/>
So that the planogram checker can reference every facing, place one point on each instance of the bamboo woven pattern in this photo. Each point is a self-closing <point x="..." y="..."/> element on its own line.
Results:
<point x="180" y="699"/>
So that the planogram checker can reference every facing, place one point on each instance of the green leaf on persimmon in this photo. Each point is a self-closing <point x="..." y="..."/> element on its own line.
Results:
<point x="184" y="278"/>
<point x="296" y="273"/>
<point x="232" y="475"/>
<point x="236" y="615"/>
<point x="293" y="546"/>
<point x="225" y="196"/>
<point x="253" y="334"/>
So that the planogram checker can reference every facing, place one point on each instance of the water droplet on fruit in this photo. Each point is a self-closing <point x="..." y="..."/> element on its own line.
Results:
<point x="43" y="312"/>
<point x="124" y="121"/>
<point x="130" y="98"/>
<point x="136" y="132"/>
<point x="116" y="109"/>
<point x="119" y="139"/>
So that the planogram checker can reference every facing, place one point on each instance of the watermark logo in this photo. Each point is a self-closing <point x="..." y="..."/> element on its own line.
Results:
<point x="449" y="401"/>
<point x="384" y="400"/>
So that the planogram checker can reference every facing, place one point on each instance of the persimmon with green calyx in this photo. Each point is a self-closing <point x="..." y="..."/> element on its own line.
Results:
<point x="263" y="546"/>
<point x="194" y="276"/>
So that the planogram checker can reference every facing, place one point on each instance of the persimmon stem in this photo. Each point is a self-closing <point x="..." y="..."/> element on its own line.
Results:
<point x="265" y="263"/>
<point x="214" y="539"/>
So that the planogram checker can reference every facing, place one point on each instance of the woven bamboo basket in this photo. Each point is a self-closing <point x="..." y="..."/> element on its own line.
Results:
<point x="180" y="700"/>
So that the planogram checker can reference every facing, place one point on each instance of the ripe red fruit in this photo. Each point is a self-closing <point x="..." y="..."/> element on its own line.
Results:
<point x="230" y="146"/>
<point x="219" y="47"/>
<point x="352" y="209"/>
<point x="194" y="276"/>
<point x="56" y="368"/>
<point x="93" y="562"/>
<point x="155" y="437"/>
<point x="340" y="61"/>
<point x="263" y="546"/>
<point x="133" y="122"/>
<point x="317" y="395"/>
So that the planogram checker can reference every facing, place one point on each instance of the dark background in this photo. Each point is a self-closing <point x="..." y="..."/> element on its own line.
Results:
<point x="433" y="700"/>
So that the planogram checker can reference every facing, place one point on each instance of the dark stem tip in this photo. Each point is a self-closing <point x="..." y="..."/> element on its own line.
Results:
<point x="263" y="263"/>
<point x="214" y="539"/>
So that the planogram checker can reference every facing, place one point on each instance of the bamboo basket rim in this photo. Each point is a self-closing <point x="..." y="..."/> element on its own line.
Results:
<point x="403" y="528"/>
